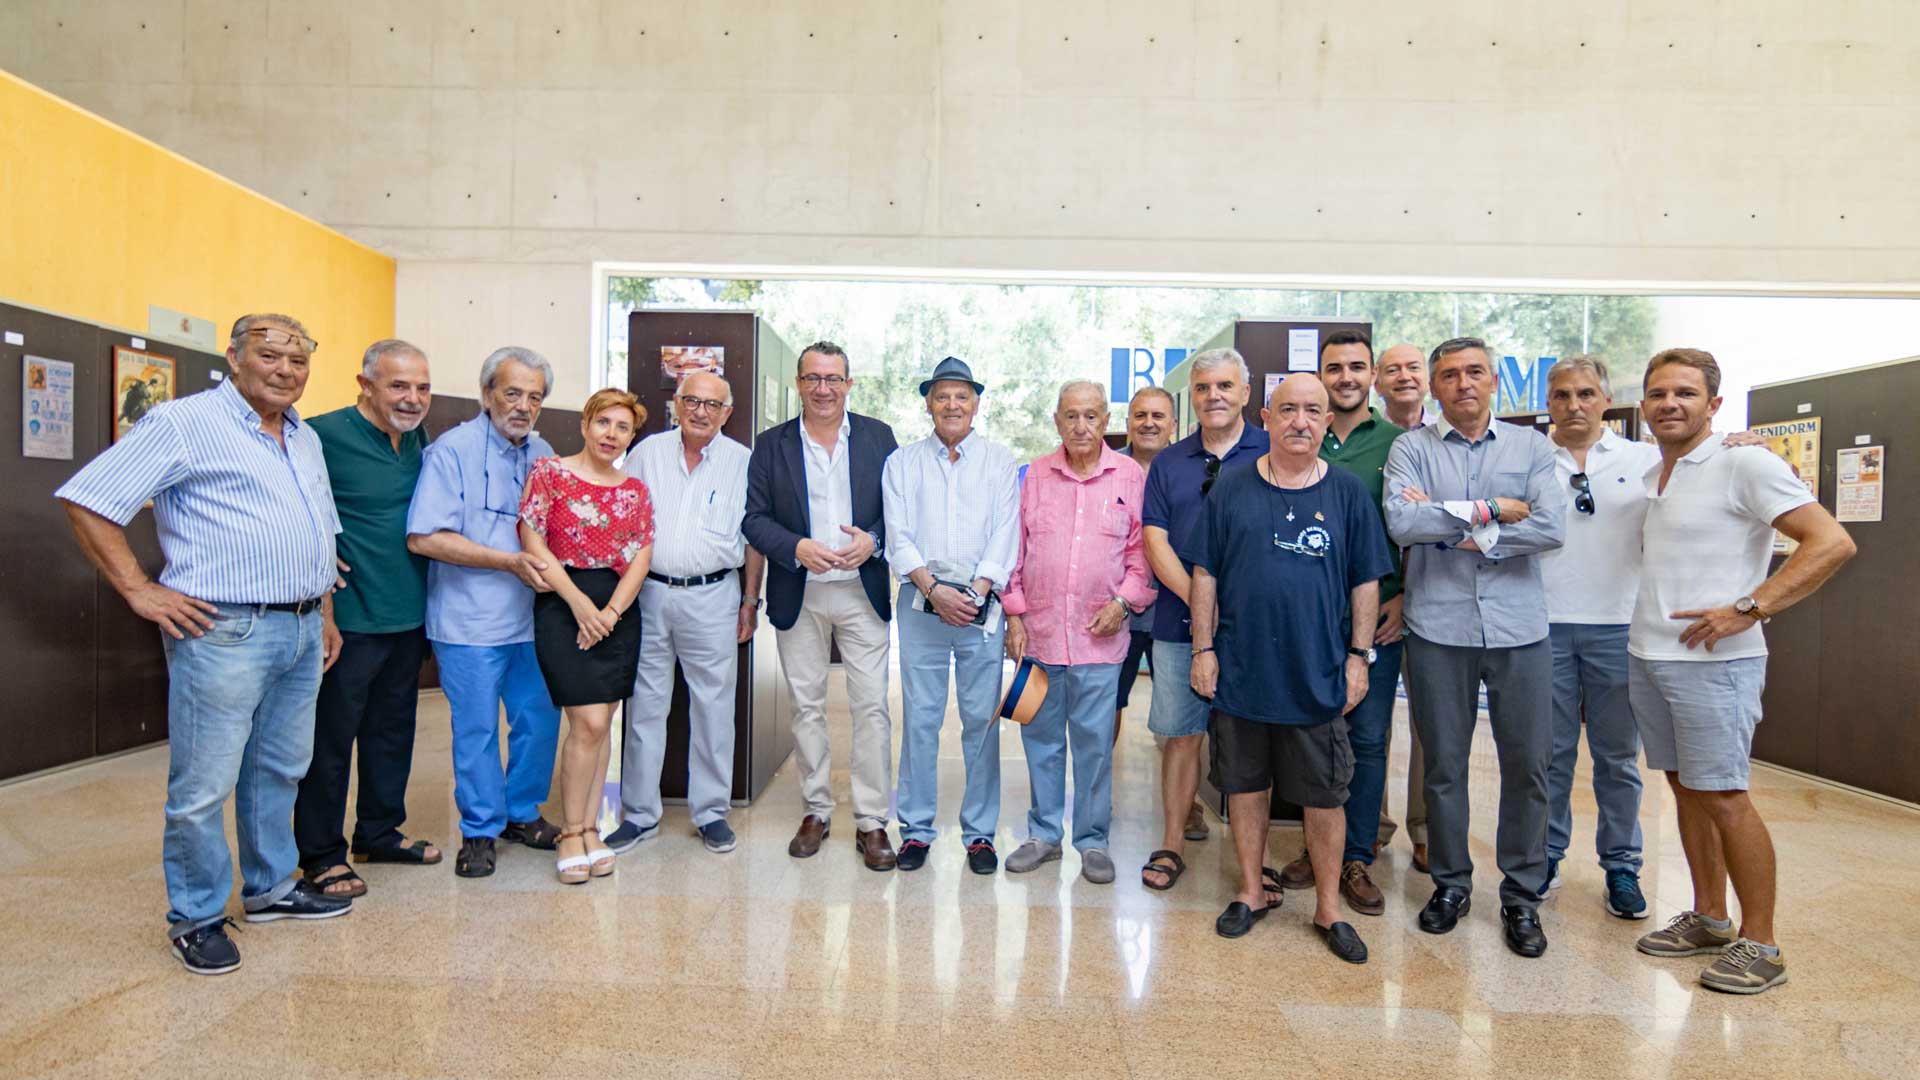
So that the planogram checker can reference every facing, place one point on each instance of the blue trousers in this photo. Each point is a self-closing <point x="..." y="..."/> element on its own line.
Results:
<point x="240" y="723"/>
<point x="929" y="649"/>
<point x="1077" y="713"/>
<point x="1369" y="726"/>
<point x="477" y="680"/>
<point x="1590" y="668"/>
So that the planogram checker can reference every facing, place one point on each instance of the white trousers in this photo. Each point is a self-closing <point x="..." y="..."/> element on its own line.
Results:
<point x="840" y="610"/>
<point x="698" y="627"/>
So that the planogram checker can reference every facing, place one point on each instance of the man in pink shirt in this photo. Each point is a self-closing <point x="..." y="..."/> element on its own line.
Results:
<point x="1081" y="576"/>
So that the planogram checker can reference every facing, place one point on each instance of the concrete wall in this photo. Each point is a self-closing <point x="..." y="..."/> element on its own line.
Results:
<point x="497" y="148"/>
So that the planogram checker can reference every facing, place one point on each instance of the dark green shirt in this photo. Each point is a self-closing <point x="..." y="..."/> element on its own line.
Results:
<point x="1364" y="454"/>
<point x="372" y="486"/>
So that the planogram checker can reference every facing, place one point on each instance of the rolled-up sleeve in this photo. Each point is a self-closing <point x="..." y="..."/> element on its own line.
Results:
<point x="151" y="458"/>
<point x="437" y="504"/>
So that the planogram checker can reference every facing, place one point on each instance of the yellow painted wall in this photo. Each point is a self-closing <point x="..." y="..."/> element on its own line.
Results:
<point x="96" y="223"/>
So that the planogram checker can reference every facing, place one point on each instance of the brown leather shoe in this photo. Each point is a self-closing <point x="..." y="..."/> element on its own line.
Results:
<point x="1297" y="874"/>
<point x="1361" y="893"/>
<point x="806" y="842"/>
<point x="1420" y="857"/>
<point x="875" y="850"/>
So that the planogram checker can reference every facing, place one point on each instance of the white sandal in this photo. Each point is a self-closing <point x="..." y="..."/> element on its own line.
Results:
<point x="599" y="856"/>
<point x="573" y="869"/>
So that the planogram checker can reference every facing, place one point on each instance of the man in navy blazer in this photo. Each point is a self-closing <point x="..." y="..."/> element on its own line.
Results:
<point x="814" y="510"/>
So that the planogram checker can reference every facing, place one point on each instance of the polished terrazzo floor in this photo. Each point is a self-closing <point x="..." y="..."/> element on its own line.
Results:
<point x="687" y="964"/>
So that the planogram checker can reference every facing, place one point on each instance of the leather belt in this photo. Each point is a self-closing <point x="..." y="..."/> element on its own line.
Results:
<point x="689" y="582"/>
<point x="299" y="607"/>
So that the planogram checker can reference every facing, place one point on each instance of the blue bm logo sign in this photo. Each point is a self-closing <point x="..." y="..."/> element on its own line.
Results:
<point x="1134" y="368"/>
<point x="1523" y="389"/>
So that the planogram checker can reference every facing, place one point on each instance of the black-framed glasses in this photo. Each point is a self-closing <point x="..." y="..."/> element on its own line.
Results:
<point x="486" y="488"/>
<point x="692" y="404"/>
<point x="831" y="382"/>
<point x="1582" y="493"/>
<point x="1213" y="473"/>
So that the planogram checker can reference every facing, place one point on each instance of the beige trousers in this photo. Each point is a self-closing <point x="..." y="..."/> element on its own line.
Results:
<point x="840" y="610"/>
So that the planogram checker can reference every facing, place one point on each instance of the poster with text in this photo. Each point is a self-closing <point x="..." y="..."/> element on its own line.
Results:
<point x="1796" y="442"/>
<point x="1860" y="483"/>
<point x="141" y="380"/>
<point x="679" y="361"/>
<point x="46" y="409"/>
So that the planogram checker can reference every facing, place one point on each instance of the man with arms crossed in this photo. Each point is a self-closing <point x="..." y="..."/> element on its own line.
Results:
<point x="1287" y="559"/>
<point x="1177" y="487"/>
<point x="1698" y="658"/>
<point x="699" y="604"/>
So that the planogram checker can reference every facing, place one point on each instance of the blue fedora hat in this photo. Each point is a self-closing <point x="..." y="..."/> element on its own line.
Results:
<point x="952" y="369"/>
<point x="1025" y="693"/>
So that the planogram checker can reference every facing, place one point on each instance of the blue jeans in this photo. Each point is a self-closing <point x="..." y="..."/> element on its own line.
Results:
<point x="477" y="679"/>
<point x="1590" y="668"/>
<point x="239" y="722"/>
<point x="1369" y="726"/>
<point x="927" y="648"/>
<point x="1078" y="712"/>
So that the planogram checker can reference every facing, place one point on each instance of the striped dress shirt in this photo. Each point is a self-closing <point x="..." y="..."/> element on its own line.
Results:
<point x="241" y="519"/>
<point x="959" y="519"/>
<point x="696" y="514"/>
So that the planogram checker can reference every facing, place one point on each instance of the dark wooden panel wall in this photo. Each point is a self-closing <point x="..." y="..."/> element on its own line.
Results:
<point x="84" y="675"/>
<point x="1843" y="675"/>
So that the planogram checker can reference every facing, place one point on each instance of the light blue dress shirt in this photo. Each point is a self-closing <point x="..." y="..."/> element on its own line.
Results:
<point x="470" y="483"/>
<point x="242" y="520"/>
<point x="1492" y="599"/>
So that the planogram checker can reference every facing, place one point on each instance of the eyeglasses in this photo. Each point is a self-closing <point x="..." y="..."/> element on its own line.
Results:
<point x="693" y="404"/>
<point x="1213" y="471"/>
<point x="486" y="487"/>
<point x="831" y="382"/>
<point x="1582" y="493"/>
<point x="280" y="339"/>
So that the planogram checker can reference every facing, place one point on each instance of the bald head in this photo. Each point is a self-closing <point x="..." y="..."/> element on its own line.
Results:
<point x="1302" y="389"/>
<point x="1401" y="382"/>
<point x="700" y="421"/>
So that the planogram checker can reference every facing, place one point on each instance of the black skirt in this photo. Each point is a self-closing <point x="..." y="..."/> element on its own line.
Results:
<point x="596" y="676"/>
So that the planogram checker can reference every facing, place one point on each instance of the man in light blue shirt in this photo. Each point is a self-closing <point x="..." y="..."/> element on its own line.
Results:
<point x="480" y="589"/>
<point x="1476" y="501"/>
<point x="247" y="524"/>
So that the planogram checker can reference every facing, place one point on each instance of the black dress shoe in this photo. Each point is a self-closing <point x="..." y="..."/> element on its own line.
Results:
<point x="1344" y="942"/>
<point x="303" y="901"/>
<point x="981" y="858"/>
<point x="1445" y="909"/>
<point x="912" y="856"/>
<point x="1524" y="935"/>
<point x="1238" y="919"/>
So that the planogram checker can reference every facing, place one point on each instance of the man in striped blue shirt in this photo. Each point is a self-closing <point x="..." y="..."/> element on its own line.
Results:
<point x="247" y="524"/>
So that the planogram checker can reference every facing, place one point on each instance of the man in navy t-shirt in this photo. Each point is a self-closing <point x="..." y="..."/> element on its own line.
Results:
<point x="1287" y="560"/>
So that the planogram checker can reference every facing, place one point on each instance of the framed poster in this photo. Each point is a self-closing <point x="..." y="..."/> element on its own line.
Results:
<point x="46" y="409"/>
<point x="679" y="361"/>
<point x="141" y="380"/>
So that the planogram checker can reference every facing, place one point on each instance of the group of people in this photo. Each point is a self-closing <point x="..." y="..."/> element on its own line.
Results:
<point x="1282" y="582"/>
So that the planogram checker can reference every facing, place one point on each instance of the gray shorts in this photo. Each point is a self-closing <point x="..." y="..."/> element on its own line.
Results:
<point x="1176" y="709"/>
<point x="1696" y="717"/>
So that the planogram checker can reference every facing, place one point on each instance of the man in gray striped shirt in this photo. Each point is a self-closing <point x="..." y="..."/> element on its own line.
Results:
<point x="247" y="525"/>
<point x="695" y="609"/>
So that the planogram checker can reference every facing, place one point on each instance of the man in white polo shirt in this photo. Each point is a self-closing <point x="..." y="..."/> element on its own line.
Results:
<point x="1698" y="659"/>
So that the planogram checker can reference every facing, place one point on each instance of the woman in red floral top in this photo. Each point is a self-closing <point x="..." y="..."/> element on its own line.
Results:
<point x="592" y="525"/>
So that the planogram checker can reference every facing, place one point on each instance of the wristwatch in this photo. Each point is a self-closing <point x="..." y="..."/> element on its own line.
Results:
<point x="755" y="601"/>
<point x="1747" y="605"/>
<point x="1368" y="654"/>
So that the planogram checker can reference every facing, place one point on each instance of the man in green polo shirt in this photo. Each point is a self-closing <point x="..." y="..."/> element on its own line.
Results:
<point x="1357" y="440"/>
<point x="370" y="693"/>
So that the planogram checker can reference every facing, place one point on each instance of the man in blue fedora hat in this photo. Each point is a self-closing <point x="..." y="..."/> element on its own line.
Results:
<point x="953" y="515"/>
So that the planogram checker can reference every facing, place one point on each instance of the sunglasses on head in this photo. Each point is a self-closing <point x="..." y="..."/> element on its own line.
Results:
<point x="1582" y="493"/>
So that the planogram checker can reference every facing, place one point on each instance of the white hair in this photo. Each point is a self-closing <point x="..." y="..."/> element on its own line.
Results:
<point x="1583" y="362"/>
<point x="370" y="361"/>
<point x="1080" y="384"/>
<point x="490" y="369"/>
<point x="1219" y="358"/>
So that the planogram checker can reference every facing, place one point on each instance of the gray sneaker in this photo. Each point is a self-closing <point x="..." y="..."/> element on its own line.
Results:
<point x="1096" y="866"/>
<point x="1745" y="969"/>
<point x="1031" y="854"/>
<point x="1687" y="935"/>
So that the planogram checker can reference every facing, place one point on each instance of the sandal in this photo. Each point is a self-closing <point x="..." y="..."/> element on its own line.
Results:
<point x="476" y="857"/>
<point x="414" y="854"/>
<point x="573" y="869"/>
<point x="1272" y="886"/>
<point x="599" y="855"/>
<point x="1174" y="868"/>
<point x="338" y="874"/>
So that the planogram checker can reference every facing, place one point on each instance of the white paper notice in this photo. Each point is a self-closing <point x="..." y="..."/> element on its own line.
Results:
<point x="46" y="408"/>
<point x="1303" y="350"/>
<point x="1862" y="475"/>
<point x="14" y="338"/>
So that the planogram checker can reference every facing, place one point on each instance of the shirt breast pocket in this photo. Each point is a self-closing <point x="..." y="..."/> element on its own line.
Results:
<point x="1510" y="485"/>
<point x="1115" y="521"/>
<point x="720" y="517"/>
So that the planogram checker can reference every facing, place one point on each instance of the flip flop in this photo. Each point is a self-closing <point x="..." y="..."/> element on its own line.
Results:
<point x="1273" y="886"/>
<point x="1173" y="872"/>
<point x="414" y="854"/>
<point x="357" y="885"/>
